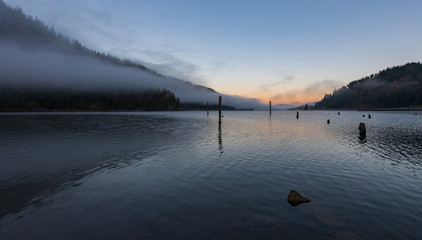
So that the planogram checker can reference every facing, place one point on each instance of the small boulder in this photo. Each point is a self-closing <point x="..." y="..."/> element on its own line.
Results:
<point x="296" y="199"/>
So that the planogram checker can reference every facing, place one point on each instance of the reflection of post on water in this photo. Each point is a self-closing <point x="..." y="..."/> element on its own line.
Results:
<point x="220" y="140"/>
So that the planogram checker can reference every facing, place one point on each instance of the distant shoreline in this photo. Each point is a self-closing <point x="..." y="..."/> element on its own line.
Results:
<point x="120" y="110"/>
<point x="77" y="110"/>
<point x="366" y="109"/>
<point x="391" y="109"/>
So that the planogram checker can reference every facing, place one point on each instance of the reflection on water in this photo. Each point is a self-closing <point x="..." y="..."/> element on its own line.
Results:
<point x="44" y="154"/>
<point x="220" y="139"/>
<point x="156" y="175"/>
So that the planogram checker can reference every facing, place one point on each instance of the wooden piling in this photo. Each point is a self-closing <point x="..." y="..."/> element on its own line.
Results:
<point x="297" y="114"/>
<point x="328" y="121"/>
<point x="219" y="109"/>
<point x="362" y="131"/>
<point x="270" y="107"/>
<point x="208" y="109"/>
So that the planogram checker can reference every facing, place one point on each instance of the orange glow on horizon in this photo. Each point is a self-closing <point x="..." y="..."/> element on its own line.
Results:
<point x="292" y="95"/>
<point x="291" y="101"/>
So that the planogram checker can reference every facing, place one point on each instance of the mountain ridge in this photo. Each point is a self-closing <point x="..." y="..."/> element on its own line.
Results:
<point x="33" y="33"/>
<point x="397" y="87"/>
<point x="36" y="54"/>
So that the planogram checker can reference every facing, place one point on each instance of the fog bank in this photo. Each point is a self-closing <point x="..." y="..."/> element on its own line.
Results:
<point x="47" y="69"/>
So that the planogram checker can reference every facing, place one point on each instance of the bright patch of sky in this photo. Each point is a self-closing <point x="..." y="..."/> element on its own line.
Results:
<point x="281" y="50"/>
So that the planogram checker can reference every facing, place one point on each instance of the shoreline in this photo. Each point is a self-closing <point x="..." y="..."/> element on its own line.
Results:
<point x="416" y="109"/>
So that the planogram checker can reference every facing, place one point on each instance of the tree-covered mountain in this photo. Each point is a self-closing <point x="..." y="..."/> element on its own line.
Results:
<point x="40" y="66"/>
<point x="395" y="87"/>
<point x="43" y="99"/>
<point x="30" y="32"/>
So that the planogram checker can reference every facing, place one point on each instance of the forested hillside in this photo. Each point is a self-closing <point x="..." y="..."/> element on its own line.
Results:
<point x="30" y="32"/>
<point x="27" y="99"/>
<point x="395" y="87"/>
<point x="125" y="85"/>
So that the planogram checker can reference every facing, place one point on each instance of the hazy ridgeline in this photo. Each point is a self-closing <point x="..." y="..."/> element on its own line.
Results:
<point x="35" y="56"/>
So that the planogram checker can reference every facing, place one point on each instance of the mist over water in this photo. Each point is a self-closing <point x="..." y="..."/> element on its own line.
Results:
<point x="182" y="175"/>
<point x="38" y="68"/>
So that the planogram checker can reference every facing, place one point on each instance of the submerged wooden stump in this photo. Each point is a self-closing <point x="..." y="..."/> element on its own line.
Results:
<point x="296" y="199"/>
<point x="362" y="128"/>
<point x="362" y="131"/>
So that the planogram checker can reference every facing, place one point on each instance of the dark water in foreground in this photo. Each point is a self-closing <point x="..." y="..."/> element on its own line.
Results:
<point x="179" y="176"/>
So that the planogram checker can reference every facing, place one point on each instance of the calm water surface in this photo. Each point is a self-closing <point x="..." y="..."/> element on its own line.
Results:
<point x="179" y="175"/>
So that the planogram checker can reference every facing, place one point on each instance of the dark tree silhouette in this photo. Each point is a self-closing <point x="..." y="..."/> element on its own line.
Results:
<point x="37" y="99"/>
<point x="395" y="87"/>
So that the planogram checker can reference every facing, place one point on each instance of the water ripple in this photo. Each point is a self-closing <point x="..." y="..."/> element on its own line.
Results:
<point x="181" y="175"/>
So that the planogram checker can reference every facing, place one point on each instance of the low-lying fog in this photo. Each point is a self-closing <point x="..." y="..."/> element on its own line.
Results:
<point x="42" y="68"/>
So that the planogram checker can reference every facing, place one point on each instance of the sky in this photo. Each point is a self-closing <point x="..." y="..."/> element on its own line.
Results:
<point x="289" y="52"/>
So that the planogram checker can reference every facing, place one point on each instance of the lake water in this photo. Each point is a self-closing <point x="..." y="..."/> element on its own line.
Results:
<point x="178" y="175"/>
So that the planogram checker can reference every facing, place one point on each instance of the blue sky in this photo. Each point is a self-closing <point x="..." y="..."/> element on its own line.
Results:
<point x="284" y="51"/>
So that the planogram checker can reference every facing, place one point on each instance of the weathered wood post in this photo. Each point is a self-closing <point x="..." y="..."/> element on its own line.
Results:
<point x="297" y="114"/>
<point x="328" y="121"/>
<point x="369" y="116"/>
<point x="338" y="113"/>
<point x="362" y="131"/>
<point x="208" y="109"/>
<point x="219" y="109"/>
<point x="270" y="107"/>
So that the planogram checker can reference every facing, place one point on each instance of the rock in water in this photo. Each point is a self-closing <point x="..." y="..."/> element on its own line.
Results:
<point x="296" y="199"/>
<point x="328" y="121"/>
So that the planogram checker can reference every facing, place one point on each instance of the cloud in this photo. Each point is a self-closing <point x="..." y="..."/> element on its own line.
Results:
<point x="170" y="65"/>
<point x="268" y="87"/>
<point x="322" y="86"/>
<point x="311" y="93"/>
<point x="166" y="64"/>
